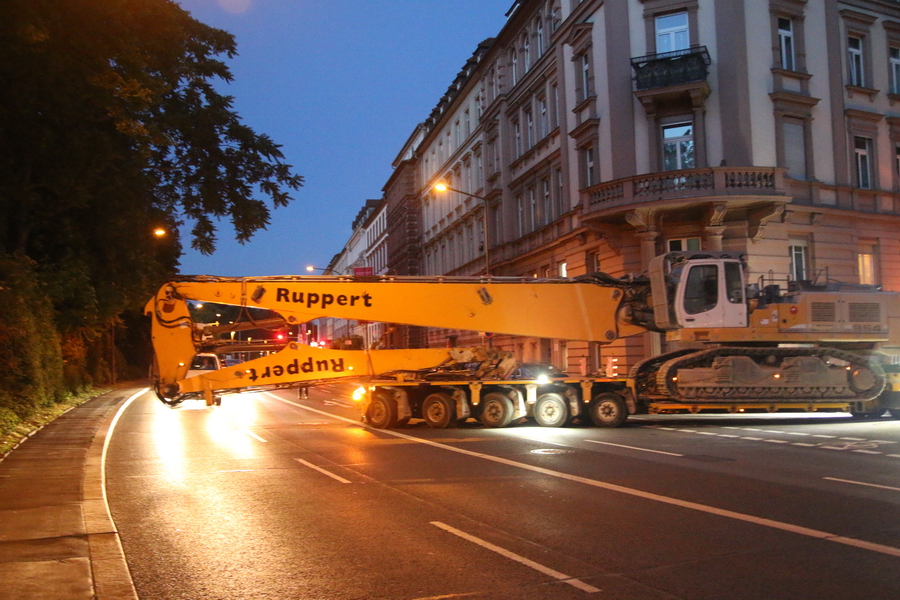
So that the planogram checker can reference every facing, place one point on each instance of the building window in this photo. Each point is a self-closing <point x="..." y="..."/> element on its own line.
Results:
<point x="678" y="146"/>
<point x="563" y="269"/>
<point x="855" y="61"/>
<point x="786" y="43"/>
<point x="799" y="260"/>
<point x="862" y="148"/>
<point x="532" y="209"/>
<point x="547" y="201"/>
<point x="526" y="51"/>
<point x="520" y="213"/>
<point x="794" y="131"/>
<point x="672" y="32"/>
<point x="539" y="29"/>
<point x="585" y="85"/>
<point x="897" y="161"/>
<point x="517" y="132"/>
<point x="515" y="67"/>
<point x="554" y="112"/>
<point x="560" y="192"/>
<point x="866" y="266"/>
<point x="545" y="123"/>
<point x="684" y="244"/>
<point x="895" y="70"/>
<point x="529" y="130"/>
<point x="588" y="167"/>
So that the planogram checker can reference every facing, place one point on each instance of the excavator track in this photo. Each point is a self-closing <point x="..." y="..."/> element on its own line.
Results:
<point x="729" y="374"/>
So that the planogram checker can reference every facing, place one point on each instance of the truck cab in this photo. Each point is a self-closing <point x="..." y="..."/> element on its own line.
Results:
<point x="698" y="290"/>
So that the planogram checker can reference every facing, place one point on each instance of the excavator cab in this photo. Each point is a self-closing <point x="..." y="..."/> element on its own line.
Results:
<point x="698" y="289"/>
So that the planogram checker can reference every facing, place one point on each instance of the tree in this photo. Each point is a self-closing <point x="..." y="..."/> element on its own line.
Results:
<point x="110" y="126"/>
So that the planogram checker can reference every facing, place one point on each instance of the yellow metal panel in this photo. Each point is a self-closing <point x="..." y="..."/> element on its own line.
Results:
<point x="575" y="311"/>
<point x="298" y="362"/>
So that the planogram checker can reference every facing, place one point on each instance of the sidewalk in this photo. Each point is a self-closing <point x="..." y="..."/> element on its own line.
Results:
<point x="57" y="539"/>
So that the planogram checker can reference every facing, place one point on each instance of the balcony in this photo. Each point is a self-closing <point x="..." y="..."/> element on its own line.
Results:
<point x="670" y="69"/>
<point x="686" y="186"/>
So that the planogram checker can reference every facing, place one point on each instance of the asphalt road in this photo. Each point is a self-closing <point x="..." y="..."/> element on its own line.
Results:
<point x="271" y="497"/>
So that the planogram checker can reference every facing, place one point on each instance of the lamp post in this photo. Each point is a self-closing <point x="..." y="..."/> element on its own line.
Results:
<point x="443" y="187"/>
<point x="311" y="268"/>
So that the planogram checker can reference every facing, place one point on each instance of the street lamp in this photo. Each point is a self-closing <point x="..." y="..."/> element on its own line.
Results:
<point x="311" y="268"/>
<point x="443" y="187"/>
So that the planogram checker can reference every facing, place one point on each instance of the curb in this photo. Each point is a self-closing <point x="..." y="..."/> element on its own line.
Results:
<point x="109" y="569"/>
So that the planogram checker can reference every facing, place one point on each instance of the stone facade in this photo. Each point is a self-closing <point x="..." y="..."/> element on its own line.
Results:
<point x="598" y="134"/>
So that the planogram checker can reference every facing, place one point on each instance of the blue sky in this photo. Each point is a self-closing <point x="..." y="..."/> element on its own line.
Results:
<point x="340" y="84"/>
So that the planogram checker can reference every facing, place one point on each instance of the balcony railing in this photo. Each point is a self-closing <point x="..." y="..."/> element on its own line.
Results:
<point x="670" y="68"/>
<point x="686" y="184"/>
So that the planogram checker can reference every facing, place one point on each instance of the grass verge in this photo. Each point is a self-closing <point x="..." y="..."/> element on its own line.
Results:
<point x="11" y="437"/>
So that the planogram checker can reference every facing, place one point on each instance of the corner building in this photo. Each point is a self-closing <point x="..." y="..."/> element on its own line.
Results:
<point x="598" y="134"/>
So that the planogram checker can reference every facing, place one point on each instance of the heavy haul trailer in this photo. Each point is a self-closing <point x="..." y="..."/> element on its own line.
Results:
<point x="549" y="401"/>
<point x="832" y="346"/>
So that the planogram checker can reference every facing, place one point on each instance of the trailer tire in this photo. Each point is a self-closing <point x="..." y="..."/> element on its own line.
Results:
<point x="496" y="410"/>
<point x="382" y="411"/>
<point x="551" y="410"/>
<point x="608" y="410"/>
<point x="439" y="410"/>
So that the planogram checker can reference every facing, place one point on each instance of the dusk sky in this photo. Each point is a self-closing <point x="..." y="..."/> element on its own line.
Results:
<point x="340" y="85"/>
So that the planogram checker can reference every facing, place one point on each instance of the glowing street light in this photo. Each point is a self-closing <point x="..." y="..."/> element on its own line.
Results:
<point x="311" y="268"/>
<point x="159" y="232"/>
<point x="443" y="187"/>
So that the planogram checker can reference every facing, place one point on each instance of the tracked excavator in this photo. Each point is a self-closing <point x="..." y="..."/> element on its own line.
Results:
<point x="741" y="346"/>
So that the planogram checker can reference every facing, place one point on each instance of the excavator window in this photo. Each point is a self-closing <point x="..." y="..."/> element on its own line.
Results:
<point x="734" y="283"/>
<point x="701" y="292"/>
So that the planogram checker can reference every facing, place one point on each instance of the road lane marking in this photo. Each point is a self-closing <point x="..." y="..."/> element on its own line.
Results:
<point x="721" y="512"/>
<point x="634" y="448"/>
<point x="519" y="559"/>
<point x="253" y="435"/>
<point x="323" y="471"/>
<point x="875" y="485"/>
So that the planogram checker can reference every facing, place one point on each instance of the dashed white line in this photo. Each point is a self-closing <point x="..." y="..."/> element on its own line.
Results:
<point x="323" y="471"/>
<point x="254" y="436"/>
<point x="519" y="559"/>
<point x="867" y="452"/>
<point x="634" y="448"/>
<point x="874" y="485"/>
<point x="730" y="514"/>
<point x="777" y="441"/>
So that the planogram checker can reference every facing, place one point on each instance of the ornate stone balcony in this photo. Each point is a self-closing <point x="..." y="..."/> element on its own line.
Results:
<point x="669" y="69"/>
<point x="686" y="186"/>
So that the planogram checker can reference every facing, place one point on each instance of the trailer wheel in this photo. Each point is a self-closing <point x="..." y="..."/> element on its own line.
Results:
<point x="496" y="410"/>
<point x="439" y="410"/>
<point x="382" y="412"/>
<point x="608" y="410"/>
<point x="551" y="410"/>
